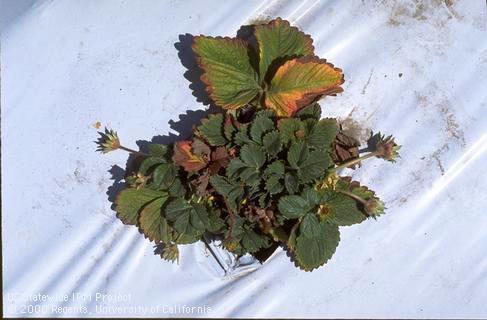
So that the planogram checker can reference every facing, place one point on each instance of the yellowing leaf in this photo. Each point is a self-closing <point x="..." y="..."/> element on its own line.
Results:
<point x="184" y="156"/>
<point x="278" y="41"/>
<point x="299" y="82"/>
<point x="231" y="81"/>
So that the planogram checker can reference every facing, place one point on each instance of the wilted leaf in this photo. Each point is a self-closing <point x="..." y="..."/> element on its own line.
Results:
<point x="278" y="40"/>
<point x="231" y="81"/>
<point x="299" y="82"/>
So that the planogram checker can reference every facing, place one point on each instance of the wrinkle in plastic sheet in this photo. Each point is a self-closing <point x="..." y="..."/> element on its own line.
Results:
<point x="415" y="69"/>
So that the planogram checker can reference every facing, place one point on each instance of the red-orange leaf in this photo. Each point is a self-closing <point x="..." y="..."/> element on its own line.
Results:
<point x="184" y="156"/>
<point x="300" y="81"/>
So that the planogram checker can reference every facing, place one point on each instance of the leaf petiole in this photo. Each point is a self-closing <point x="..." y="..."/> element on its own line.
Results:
<point x="356" y="161"/>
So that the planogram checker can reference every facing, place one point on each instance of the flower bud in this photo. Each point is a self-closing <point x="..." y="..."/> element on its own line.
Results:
<point x="108" y="141"/>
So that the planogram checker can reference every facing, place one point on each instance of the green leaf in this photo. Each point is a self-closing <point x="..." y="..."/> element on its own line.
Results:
<point x="274" y="185"/>
<point x="276" y="168"/>
<point x="288" y="128"/>
<point x="228" y="189"/>
<point x="340" y="209"/>
<point x="323" y="134"/>
<point x="149" y="163"/>
<point x="272" y="143"/>
<point x="152" y="222"/>
<point x="252" y="155"/>
<point x="177" y="189"/>
<point x="252" y="242"/>
<point x="299" y="82"/>
<point x="251" y="176"/>
<point x="188" y="218"/>
<point x="129" y="203"/>
<point x="199" y="216"/>
<point x="297" y="154"/>
<point x="310" y="226"/>
<point x="291" y="182"/>
<point x="158" y="150"/>
<point x="259" y="126"/>
<point x="242" y="135"/>
<point x="211" y="130"/>
<point x="235" y="167"/>
<point x="293" y="206"/>
<point x="314" y="166"/>
<point x="316" y="244"/>
<point x="313" y="111"/>
<point x="231" y="81"/>
<point x="278" y="40"/>
<point x="215" y="223"/>
<point x="164" y="175"/>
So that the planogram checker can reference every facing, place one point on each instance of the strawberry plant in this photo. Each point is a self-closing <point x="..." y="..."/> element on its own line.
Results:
<point x="265" y="169"/>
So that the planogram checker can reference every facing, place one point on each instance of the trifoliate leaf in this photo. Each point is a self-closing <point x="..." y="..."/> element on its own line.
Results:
<point x="297" y="154"/>
<point x="152" y="222"/>
<point x="272" y="142"/>
<point x="252" y="241"/>
<point x="231" y="81"/>
<point x="293" y="206"/>
<point x="278" y="40"/>
<point x="252" y="155"/>
<point x="184" y="156"/>
<point x="274" y="185"/>
<point x="227" y="188"/>
<point x="259" y="126"/>
<point x="129" y="203"/>
<point x="276" y="168"/>
<point x="314" y="247"/>
<point x="188" y="218"/>
<point x="211" y="129"/>
<point x="164" y="175"/>
<point x="314" y="166"/>
<point x="299" y="82"/>
<point x="323" y="134"/>
<point x="291" y="182"/>
<point x="339" y="209"/>
<point x="313" y="111"/>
